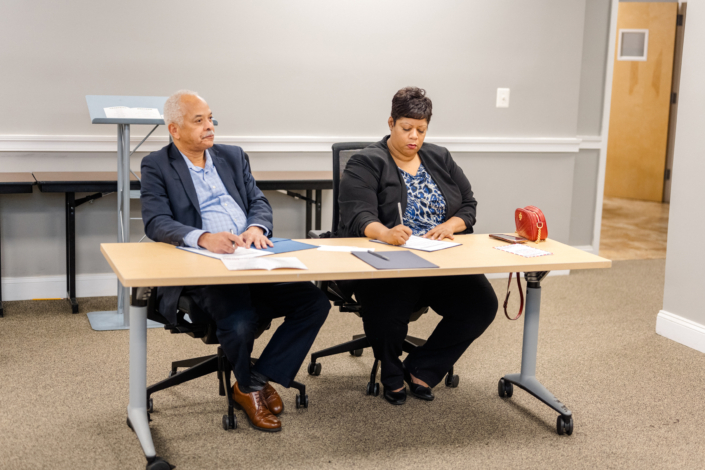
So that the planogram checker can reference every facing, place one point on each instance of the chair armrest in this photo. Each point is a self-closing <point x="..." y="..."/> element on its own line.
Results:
<point x="318" y="234"/>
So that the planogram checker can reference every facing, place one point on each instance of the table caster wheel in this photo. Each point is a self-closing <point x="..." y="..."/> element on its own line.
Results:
<point x="172" y="373"/>
<point x="452" y="381"/>
<point x="301" y="402"/>
<point x="505" y="389"/>
<point x="314" y="368"/>
<point x="357" y="352"/>
<point x="564" y="425"/>
<point x="228" y="424"/>
<point x="150" y="406"/>
<point x="159" y="464"/>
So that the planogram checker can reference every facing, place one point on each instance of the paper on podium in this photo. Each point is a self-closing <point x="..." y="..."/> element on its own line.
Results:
<point x="397" y="260"/>
<point x="124" y="112"/>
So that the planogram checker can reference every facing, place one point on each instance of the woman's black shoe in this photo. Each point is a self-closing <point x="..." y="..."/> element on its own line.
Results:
<point x="419" y="391"/>
<point x="395" y="398"/>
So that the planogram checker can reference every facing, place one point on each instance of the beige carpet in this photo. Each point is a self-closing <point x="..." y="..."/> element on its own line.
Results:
<point x="637" y="397"/>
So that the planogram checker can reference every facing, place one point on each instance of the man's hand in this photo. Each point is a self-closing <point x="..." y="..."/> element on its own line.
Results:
<point x="222" y="242"/>
<point x="255" y="235"/>
<point x="397" y="235"/>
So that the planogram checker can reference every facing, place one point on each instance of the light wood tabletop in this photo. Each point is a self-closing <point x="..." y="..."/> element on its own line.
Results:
<point x="16" y="178"/>
<point x="159" y="264"/>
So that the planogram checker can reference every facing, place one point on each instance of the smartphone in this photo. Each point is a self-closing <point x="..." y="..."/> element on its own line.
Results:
<point x="508" y="238"/>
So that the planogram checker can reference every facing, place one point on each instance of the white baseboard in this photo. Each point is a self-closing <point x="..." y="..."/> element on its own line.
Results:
<point x="681" y="330"/>
<point x="54" y="287"/>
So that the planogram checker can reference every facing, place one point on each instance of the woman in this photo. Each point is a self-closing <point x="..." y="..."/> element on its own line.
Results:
<point x="437" y="202"/>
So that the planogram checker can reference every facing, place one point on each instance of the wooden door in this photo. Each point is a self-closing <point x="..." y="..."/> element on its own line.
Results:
<point x="641" y="95"/>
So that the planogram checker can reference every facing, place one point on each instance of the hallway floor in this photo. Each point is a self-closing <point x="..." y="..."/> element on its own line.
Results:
<point x="633" y="229"/>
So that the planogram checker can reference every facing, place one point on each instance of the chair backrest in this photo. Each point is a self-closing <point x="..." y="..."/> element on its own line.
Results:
<point x="342" y="152"/>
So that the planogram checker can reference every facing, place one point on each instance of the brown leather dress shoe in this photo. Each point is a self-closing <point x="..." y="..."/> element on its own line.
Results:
<point x="274" y="401"/>
<point x="256" y="410"/>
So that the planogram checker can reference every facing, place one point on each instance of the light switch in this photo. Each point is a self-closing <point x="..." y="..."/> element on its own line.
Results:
<point x="502" y="97"/>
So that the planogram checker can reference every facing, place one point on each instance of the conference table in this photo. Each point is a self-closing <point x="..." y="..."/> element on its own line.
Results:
<point x="14" y="183"/>
<point x="102" y="183"/>
<point x="158" y="264"/>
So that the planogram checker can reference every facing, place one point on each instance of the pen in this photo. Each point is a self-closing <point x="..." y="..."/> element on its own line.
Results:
<point x="378" y="255"/>
<point x="232" y="233"/>
<point x="401" y="217"/>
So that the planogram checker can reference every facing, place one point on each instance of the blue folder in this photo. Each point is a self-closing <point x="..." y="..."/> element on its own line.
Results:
<point x="285" y="245"/>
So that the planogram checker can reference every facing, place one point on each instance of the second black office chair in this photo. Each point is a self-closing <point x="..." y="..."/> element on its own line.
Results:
<point x="341" y="296"/>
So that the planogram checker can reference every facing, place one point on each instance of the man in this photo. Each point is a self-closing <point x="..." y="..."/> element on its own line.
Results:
<point x="198" y="194"/>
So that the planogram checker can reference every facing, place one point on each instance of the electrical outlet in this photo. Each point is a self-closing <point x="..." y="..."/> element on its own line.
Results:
<point x="502" y="97"/>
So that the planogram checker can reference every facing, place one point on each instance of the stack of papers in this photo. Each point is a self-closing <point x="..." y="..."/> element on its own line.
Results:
<point x="424" y="244"/>
<point x="264" y="263"/>
<point x="523" y="250"/>
<point x="240" y="253"/>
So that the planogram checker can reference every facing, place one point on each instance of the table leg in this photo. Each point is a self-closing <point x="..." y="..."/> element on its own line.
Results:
<point x="527" y="380"/>
<point x="71" y="251"/>
<point x="319" y="199"/>
<point x="309" y="194"/>
<point x="137" y="417"/>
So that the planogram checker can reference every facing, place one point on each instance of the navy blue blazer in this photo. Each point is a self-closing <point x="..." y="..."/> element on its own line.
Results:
<point x="170" y="208"/>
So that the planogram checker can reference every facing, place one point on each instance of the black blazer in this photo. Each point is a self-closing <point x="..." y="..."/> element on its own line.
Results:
<point x="372" y="186"/>
<point x="170" y="208"/>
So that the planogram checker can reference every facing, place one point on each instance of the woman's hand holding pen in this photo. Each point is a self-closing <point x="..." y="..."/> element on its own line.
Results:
<point x="396" y="235"/>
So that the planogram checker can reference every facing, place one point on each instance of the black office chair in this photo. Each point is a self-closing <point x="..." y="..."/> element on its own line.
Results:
<point x="200" y="366"/>
<point x="340" y="294"/>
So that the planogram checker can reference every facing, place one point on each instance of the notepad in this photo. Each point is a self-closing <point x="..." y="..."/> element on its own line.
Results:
<point x="523" y="250"/>
<point x="286" y="245"/>
<point x="423" y="244"/>
<point x="240" y="253"/>
<point x="397" y="260"/>
<point x="263" y="263"/>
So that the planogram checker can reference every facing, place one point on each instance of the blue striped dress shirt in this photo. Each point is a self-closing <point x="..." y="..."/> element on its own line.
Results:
<point x="219" y="211"/>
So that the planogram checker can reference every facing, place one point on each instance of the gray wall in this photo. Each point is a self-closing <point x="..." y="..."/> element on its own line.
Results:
<point x="683" y="291"/>
<point x="313" y="68"/>
<point x="310" y="67"/>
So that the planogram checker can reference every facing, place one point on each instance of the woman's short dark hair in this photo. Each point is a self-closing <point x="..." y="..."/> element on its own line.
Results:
<point x="411" y="102"/>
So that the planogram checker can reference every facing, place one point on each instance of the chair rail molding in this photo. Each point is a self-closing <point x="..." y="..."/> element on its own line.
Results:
<point x="108" y="143"/>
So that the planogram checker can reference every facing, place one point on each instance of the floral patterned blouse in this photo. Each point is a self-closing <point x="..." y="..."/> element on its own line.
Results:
<point x="425" y="205"/>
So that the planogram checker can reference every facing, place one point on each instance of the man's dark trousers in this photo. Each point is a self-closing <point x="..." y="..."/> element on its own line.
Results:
<point x="238" y="309"/>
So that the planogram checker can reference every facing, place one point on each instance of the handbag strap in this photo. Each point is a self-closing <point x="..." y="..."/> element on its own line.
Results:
<point x="521" y="296"/>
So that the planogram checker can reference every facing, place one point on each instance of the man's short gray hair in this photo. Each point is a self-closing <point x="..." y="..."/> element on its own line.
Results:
<point x="172" y="107"/>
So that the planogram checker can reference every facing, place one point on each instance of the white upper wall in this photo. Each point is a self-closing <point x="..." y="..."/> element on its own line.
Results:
<point x="306" y="68"/>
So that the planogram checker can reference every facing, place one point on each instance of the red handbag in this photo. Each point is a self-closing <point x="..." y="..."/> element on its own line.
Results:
<point x="531" y="223"/>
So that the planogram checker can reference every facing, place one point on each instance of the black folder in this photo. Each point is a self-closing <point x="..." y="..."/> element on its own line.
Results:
<point x="397" y="260"/>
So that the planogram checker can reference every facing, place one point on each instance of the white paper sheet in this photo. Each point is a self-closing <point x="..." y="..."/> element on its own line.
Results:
<point x="264" y="263"/>
<point x="240" y="253"/>
<point x="523" y="250"/>
<point x="344" y="249"/>
<point x="424" y="244"/>
<point x="123" y="112"/>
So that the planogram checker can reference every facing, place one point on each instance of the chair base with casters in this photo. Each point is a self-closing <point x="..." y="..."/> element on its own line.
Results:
<point x="205" y="365"/>
<point x="360" y="342"/>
